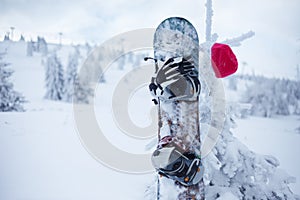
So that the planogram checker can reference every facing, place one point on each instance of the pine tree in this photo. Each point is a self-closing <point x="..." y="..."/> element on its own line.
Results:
<point x="6" y="37"/>
<point x="29" y="50"/>
<point x="71" y="76"/>
<point x="75" y="90"/>
<point x="22" y="39"/>
<point x="10" y="100"/>
<point x="88" y="48"/>
<point x="54" y="78"/>
<point x="41" y="46"/>
<point x="82" y="91"/>
<point x="121" y="61"/>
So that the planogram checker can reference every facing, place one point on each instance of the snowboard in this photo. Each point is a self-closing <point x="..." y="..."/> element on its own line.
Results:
<point x="176" y="87"/>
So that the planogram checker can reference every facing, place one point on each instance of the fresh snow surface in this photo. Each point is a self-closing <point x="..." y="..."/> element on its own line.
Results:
<point x="42" y="156"/>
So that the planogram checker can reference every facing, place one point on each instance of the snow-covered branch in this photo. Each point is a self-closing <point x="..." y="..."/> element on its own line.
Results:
<point x="237" y="40"/>
<point x="209" y="14"/>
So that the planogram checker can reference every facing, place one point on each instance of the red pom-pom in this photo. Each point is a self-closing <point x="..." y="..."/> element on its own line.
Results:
<point x="223" y="60"/>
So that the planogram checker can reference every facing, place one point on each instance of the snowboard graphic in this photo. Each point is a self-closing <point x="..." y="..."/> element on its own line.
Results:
<point x="175" y="87"/>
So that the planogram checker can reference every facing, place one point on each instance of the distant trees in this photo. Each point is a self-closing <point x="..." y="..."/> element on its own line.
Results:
<point x="10" y="100"/>
<point x="66" y="86"/>
<point x="272" y="96"/>
<point x="40" y="46"/>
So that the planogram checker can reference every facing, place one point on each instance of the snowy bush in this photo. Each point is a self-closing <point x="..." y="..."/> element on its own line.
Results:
<point x="10" y="100"/>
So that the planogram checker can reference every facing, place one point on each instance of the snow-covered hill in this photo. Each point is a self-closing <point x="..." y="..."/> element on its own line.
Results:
<point x="42" y="156"/>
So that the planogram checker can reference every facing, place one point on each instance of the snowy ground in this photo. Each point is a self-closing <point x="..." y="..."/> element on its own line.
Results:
<point x="42" y="156"/>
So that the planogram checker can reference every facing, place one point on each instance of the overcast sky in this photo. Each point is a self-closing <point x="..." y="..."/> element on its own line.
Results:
<point x="273" y="51"/>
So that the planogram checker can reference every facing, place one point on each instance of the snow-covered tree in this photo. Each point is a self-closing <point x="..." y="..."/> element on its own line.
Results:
<point x="22" y="39"/>
<point x="54" y="78"/>
<point x="75" y="90"/>
<point x="88" y="48"/>
<point x="121" y="61"/>
<point x="6" y="37"/>
<point x="10" y="100"/>
<point x="71" y="76"/>
<point x="30" y="48"/>
<point x="41" y="46"/>
<point x="232" y="168"/>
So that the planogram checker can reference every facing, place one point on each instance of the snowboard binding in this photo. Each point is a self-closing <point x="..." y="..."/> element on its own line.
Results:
<point x="176" y="79"/>
<point x="171" y="161"/>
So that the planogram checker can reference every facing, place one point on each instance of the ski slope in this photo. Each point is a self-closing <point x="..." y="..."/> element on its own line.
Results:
<point x="42" y="156"/>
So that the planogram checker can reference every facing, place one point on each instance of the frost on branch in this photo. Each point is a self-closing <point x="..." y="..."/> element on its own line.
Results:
<point x="237" y="40"/>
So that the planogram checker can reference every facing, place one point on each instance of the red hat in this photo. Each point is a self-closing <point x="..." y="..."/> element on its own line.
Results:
<point x="223" y="60"/>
